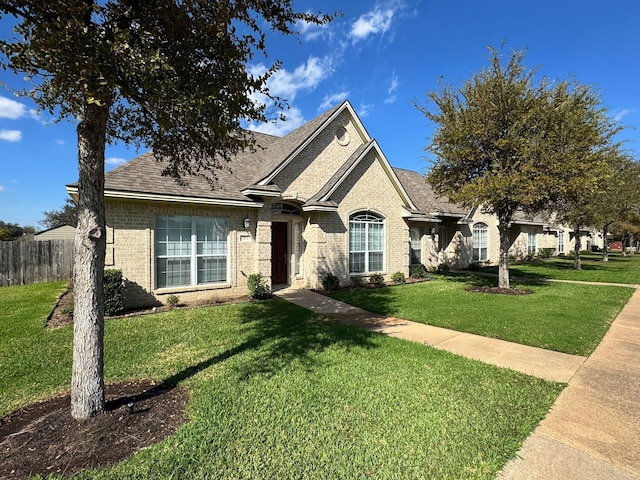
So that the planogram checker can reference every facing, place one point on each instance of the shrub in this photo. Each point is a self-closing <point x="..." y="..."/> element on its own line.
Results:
<point x="330" y="282"/>
<point x="356" y="281"/>
<point x="376" y="279"/>
<point x="475" y="266"/>
<point x="113" y="292"/>
<point x="173" y="300"/>
<point x="546" y="252"/>
<point x="398" y="277"/>
<point x="443" y="268"/>
<point x="419" y="271"/>
<point x="258" y="287"/>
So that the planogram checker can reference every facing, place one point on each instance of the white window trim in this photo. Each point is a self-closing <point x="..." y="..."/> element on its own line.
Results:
<point x="374" y="219"/>
<point x="484" y="245"/>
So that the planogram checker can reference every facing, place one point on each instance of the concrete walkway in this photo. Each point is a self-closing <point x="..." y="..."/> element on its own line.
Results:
<point x="593" y="429"/>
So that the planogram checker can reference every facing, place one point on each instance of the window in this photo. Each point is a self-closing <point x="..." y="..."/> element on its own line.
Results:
<point x="297" y="246"/>
<point x="415" y="246"/>
<point x="284" y="209"/>
<point x="366" y="243"/>
<point x="561" y="241"/>
<point x="480" y="242"/>
<point x="190" y="250"/>
<point x="531" y="242"/>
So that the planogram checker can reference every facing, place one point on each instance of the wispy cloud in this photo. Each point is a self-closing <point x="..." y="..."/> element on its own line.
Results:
<point x="11" y="135"/>
<point x="115" y="161"/>
<point x="393" y="86"/>
<point x="376" y="21"/>
<point x="305" y="77"/>
<point x="293" y="119"/>
<point x="1" y="189"/>
<point x="365" y="109"/>
<point x="311" y="31"/>
<point x="333" y="99"/>
<point x="59" y="141"/>
<point x="619" y="115"/>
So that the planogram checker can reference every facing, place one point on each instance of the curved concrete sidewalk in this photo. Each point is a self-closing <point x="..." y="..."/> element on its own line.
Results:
<point x="593" y="429"/>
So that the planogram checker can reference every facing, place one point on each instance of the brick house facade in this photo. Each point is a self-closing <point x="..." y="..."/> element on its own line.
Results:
<point x="321" y="199"/>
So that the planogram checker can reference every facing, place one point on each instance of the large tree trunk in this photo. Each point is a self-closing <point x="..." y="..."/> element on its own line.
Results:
<point x="577" y="263"/>
<point x="87" y="378"/>
<point x="503" y="264"/>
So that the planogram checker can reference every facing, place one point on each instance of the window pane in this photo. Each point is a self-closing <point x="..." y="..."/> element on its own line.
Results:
<point x="376" y="237"/>
<point x="356" y="262"/>
<point x="212" y="270"/>
<point x="375" y="262"/>
<point x="173" y="272"/>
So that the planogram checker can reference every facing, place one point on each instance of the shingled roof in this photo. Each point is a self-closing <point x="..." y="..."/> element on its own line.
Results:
<point x="423" y="196"/>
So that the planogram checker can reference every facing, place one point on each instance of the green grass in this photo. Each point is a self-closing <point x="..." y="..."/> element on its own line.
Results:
<point x="618" y="269"/>
<point x="278" y="393"/>
<point x="567" y="318"/>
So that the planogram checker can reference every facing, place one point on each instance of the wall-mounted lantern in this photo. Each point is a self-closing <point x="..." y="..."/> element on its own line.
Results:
<point x="246" y="223"/>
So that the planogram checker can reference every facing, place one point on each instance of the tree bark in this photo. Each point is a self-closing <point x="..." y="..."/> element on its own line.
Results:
<point x="577" y="263"/>
<point x="503" y="264"/>
<point x="87" y="378"/>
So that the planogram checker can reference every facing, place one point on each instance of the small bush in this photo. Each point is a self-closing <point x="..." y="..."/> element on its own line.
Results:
<point x="595" y="248"/>
<point x="376" y="279"/>
<point x="419" y="271"/>
<point x="173" y="300"/>
<point x="546" y="252"/>
<point x="113" y="292"/>
<point x="356" y="281"/>
<point x="475" y="267"/>
<point x="443" y="268"/>
<point x="258" y="287"/>
<point x="398" y="277"/>
<point x="330" y="282"/>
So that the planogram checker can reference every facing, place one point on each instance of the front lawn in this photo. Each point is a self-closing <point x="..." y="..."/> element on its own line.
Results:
<point x="279" y="393"/>
<point x="618" y="269"/>
<point x="567" y="318"/>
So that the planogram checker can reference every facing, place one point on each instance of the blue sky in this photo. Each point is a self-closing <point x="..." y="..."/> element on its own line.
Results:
<point x="379" y="55"/>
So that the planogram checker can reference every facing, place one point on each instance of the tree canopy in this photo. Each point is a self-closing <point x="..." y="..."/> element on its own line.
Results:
<point x="507" y="141"/>
<point x="66" y="215"/>
<point x="168" y="75"/>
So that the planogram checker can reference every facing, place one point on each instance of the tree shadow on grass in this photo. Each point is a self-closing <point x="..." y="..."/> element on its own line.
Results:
<point x="279" y="333"/>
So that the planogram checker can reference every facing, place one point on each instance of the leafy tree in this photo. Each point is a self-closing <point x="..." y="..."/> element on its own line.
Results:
<point x="168" y="75"/>
<point x="13" y="231"/>
<point x="67" y="215"/>
<point x="507" y="142"/>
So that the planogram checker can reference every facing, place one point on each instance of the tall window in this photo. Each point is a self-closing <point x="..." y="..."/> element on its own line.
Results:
<point x="480" y="243"/>
<point x="366" y="243"/>
<point x="532" y="246"/>
<point x="561" y="241"/>
<point x="416" y="245"/>
<point x="191" y="250"/>
<point x="297" y="246"/>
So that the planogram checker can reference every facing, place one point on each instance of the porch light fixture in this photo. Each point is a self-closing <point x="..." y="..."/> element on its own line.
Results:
<point x="246" y="223"/>
<point x="432" y="230"/>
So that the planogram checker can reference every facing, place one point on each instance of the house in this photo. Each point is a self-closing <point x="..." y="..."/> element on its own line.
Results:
<point x="323" y="198"/>
<point x="63" y="232"/>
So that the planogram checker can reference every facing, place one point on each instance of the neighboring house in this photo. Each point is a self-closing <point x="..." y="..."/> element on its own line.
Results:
<point x="63" y="232"/>
<point x="321" y="199"/>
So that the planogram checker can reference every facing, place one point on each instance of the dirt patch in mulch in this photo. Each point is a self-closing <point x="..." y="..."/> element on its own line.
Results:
<point x="499" y="290"/>
<point x="44" y="438"/>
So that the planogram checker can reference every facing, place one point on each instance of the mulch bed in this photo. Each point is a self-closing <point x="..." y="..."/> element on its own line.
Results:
<point x="44" y="438"/>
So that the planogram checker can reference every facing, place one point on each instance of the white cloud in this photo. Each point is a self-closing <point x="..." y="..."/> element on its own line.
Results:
<point x="376" y="21"/>
<point x="59" y="141"/>
<point x="330" y="100"/>
<point x="114" y="161"/>
<point x="311" y="31"/>
<point x="293" y="119"/>
<point x="393" y="86"/>
<point x="11" y="135"/>
<point x="365" y="109"/>
<point x="1" y="189"/>
<point x="11" y="109"/>
<point x="305" y="77"/>
<point x="622" y="113"/>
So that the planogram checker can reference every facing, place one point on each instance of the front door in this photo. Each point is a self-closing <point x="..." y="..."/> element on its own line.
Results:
<point x="279" y="270"/>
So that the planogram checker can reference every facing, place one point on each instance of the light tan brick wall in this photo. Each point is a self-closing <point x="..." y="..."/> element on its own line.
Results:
<point x="315" y="165"/>
<point x="131" y="248"/>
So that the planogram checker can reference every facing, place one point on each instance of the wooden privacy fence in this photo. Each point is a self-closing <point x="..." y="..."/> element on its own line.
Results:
<point x="24" y="262"/>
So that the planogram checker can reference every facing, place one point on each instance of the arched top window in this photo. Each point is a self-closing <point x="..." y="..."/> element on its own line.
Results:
<point x="366" y="217"/>
<point x="366" y="243"/>
<point x="284" y="209"/>
<point x="480" y="242"/>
